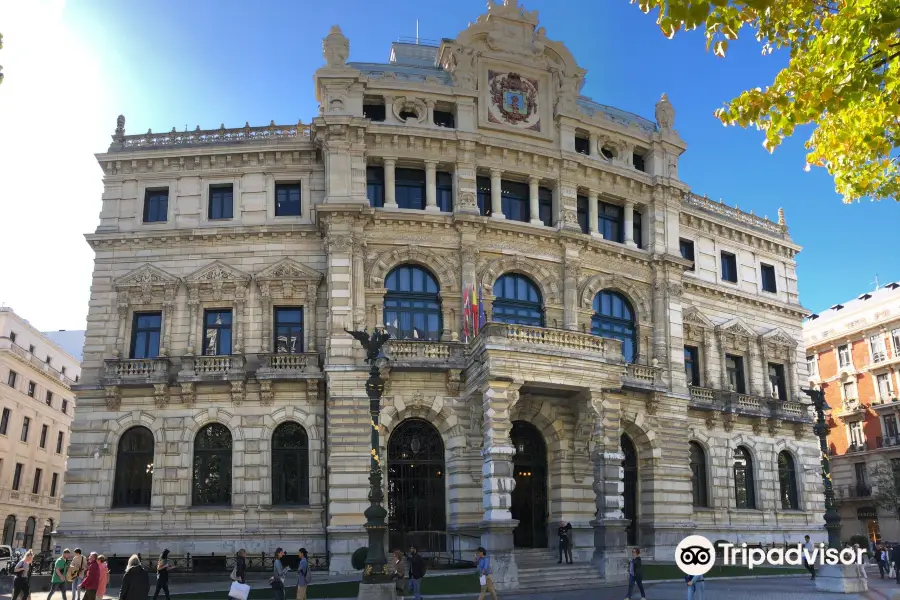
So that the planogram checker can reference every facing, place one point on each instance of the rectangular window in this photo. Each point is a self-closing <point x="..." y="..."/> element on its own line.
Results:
<point x="734" y="367"/>
<point x="890" y="428"/>
<point x="582" y="145"/>
<point x="885" y="390"/>
<point x="862" y="474"/>
<point x="776" y="380"/>
<point x="31" y="349"/>
<point x="545" y="206"/>
<point x="289" y="330"/>
<point x="62" y="370"/>
<point x="49" y="359"/>
<point x="812" y="365"/>
<point x="375" y="186"/>
<point x="444" y="191"/>
<point x="375" y="112"/>
<point x="54" y="481"/>
<point x="687" y="250"/>
<point x="12" y="336"/>
<point x="49" y="398"/>
<point x="514" y="200"/>
<point x="877" y="348"/>
<point x="31" y="388"/>
<point x="17" y="477"/>
<point x="221" y="202"/>
<point x="156" y="206"/>
<point x="444" y="118"/>
<point x="610" y="221"/>
<point x="692" y="365"/>
<point x="895" y="338"/>
<point x="65" y="406"/>
<point x="44" y="430"/>
<point x="729" y="267"/>
<point x="768" y="278"/>
<point x="850" y="390"/>
<point x="59" y="442"/>
<point x="287" y="199"/>
<point x="216" y="332"/>
<point x="4" y="421"/>
<point x="409" y="188"/>
<point x="26" y="423"/>
<point x="638" y="161"/>
<point x="36" y="484"/>
<point x="637" y="230"/>
<point x="145" y="332"/>
<point x="844" y="356"/>
<point x="12" y="378"/>
<point x="483" y="195"/>
<point x="583" y="212"/>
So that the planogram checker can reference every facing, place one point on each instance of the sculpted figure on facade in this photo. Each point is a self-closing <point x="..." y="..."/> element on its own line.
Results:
<point x="665" y="115"/>
<point x="335" y="48"/>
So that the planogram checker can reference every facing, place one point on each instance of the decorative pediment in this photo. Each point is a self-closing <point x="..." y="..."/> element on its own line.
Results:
<point x="291" y="270"/>
<point x="146" y="275"/>
<point x="779" y="337"/>
<point x="693" y="316"/>
<point x="736" y="326"/>
<point x="219" y="279"/>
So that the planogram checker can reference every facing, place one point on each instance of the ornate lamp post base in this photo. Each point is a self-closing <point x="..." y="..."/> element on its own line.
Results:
<point x="841" y="579"/>
<point x="378" y="591"/>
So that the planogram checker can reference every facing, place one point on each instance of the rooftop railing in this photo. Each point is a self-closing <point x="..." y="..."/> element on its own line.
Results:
<point x="735" y="214"/>
<point x="203" y="137"/>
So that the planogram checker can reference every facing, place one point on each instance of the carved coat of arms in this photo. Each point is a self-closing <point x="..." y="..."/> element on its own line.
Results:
<point x="513" y="100"/>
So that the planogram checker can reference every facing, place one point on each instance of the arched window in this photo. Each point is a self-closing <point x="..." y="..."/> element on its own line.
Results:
<point x="517" y="300"/>
<point x="30" y="524"/>
<point x="698" y="475"/>
<point x="412" y="306"/>
<point x="743" y="479"/>
<point x="787" y="481"/>
<point x="614" y="318"/>
<point x="134" y="468"/>
<point x="290" y="464"/>
<point x="9" y="531"/>
<point x="212" y="466"/>
<point x="48" y="531"/>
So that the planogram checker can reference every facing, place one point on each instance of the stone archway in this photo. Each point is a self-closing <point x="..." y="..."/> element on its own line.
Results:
<point x="530" y="498"/>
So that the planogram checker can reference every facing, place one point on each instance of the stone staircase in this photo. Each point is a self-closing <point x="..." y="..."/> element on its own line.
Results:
<point x="538" y="572"/>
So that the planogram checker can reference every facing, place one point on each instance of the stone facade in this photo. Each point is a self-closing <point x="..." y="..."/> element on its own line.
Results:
<point x="853" y="350"/>
<point x="498" y="104"/>
<point x="37" y="406"/>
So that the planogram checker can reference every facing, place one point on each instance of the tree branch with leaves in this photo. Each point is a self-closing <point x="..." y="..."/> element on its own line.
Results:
<point x="885" y="478"/>
<point x="843" y="78"/>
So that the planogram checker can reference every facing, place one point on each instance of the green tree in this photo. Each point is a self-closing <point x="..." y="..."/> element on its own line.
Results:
<point x="885" y="478"/>
<point x="843" y="78"/>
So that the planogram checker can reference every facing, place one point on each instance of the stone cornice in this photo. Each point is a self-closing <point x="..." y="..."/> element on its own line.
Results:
<point x="714" y="290"/>
<point x="215" y="235"/>
<point x="723" y="227"/>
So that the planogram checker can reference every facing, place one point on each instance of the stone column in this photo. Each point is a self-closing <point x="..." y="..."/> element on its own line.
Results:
<point x="358" y="284"/>
<point x="238" y="323"/>
<point x="339" y="260"/>
<point x="572" y="272"/>
<point x="431" y="186"/>
<point x="429" y="105"/>
<point x="468" y="258"/>
<point x="265" y="305"/>
<point x="390" y="196"/>
<point x="312" y="291"/>
<point x="498" y="482"/>
<point x="193" y="307"/>
<point x="659" y="315"/>
<point x="497" y="194"/>
<point x="629" y="224"/>
<point x="534" y="204"/>
<point x="764" y="369"/>
<point x="121" y="349"/>
<point x="593" y="216"/>
<point x="792" y="385"/>
<point x="753" y="368"/>
<point x="723" y="362"/>
<point x="709" y="351"/>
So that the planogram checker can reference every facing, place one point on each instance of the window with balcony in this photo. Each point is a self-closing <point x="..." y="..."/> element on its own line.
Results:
<point x="54" y="482"/>
<point x="17" y="477"/>
<point x="216" y="332"/>
<point x="4" y="421"/>
<point x="48" y="399"/>
<point x="729" y="267"/>
<point x="444" y="191"/>
<point x="895" y="340"/>
<point x="742" y="469"/>
<point x="517" y="300"/>
<point x="32" y="387"/>
<point x="133" y="483"/>
<point x="375" y="186"/>
<point x="699" y="487"/>
<point x="26" y="424"/>
<point x="877" y="348"/>
<point x="31" y="348"/>
<point x="776" y="381"/>
<point x="409" y="188"/>
<point x="734" y="369"/>
<point x="288" y="330"/>
<point x="862" y="474"/>
<point x="221" y="202"/>
<point x="849" y="388"/>
<point x="287" y="199"/>
<point x="412" y="304"/>
<point x="614" y="318"/>
<point x="212" y="466"/>
<point x="610" y="221"/>
<point x="855" y="434"/>
<point x="156" y="206"/>
<point x="62" y="370"/>
<point x="12" y="379"/>
<point x="844" y="356"/>
<point x="692" y="365"/>
<point x="145" y="334"/>
<point x="36" y="483"/>
<point x="59" y="442"/>
<point x="890" y="430"/>
<point x="43" y="442"/>
<point x="787" y="481"/>
<point x="885" y="389"/>
<point x="12" y="337"/>
<point x="687" y="250"/>
<point x="768" y="278"/>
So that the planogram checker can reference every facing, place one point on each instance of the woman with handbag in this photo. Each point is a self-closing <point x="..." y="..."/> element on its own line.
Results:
<point x="162" y="574"/>
<point x="280" y="571"/>
<point x="239" y="588"/>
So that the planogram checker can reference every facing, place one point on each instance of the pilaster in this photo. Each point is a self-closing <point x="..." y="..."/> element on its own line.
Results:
<point x="609" y="523"/>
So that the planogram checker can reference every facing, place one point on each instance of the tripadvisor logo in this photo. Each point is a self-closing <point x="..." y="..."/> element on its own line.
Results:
<point x="695" y="555"/>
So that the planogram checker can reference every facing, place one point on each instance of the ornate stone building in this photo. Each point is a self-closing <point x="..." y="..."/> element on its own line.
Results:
<point x="636" y="373"/>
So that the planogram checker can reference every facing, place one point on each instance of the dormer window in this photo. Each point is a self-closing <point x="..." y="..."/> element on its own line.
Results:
<point x="837" y="307"/>
<point x="892" y="286"/>
<point x="582" y="143"/>
<point x="373" y="109"/>
<point x="865" y="297"/>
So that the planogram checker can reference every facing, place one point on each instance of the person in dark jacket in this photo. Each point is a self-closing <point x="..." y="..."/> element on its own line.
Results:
<point x="135" y="582"/>
<point x="240" y="566"/>
<point x="636" y="573"/>
<point x="565" y="543"/>
<point x="895" y="558"/>
<point x="416" y="572"/>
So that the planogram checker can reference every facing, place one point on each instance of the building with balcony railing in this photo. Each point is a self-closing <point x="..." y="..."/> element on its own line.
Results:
<point x="37" y="406"/>
<point x="853" y="354"/>
<point x="620" y="321"/>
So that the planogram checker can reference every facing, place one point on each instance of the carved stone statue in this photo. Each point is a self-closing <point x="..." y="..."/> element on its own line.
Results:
<point x="665" y="114"/>
<point x="462" y="67"/>
<point x="335" y="48"/>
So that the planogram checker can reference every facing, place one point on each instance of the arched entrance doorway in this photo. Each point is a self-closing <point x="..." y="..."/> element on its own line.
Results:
<point x="417" y="511"/>
<point x="529" y="499"/>
<point x="631" y="472"/>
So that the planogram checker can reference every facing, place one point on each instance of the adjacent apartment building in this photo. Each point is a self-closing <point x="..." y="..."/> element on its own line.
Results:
<point x="853" y="354"/>
<point x="637" y="372"/>
<point x="36" y="410"/>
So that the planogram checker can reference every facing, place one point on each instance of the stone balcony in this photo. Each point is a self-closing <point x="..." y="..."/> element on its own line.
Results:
<point x="288" y="367"/>
<point x="643" y="378"/>
<point x="852" y="408"/>
<point x="424" y="354"/>
<point x="543" y="340"/>
<point x="213" y="369"/>
<point x="136" y="372"/>
<point x="707" y="399"/>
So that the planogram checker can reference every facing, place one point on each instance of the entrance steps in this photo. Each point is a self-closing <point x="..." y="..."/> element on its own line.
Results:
<point x="538" y="572"/>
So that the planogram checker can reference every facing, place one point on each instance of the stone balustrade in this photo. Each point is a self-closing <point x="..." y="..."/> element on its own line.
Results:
<point x="285" y="366"/>
<point x="204" y="137"/>
<point x="554" y="339"/>
<point x="136" y="371"/>
<point x="213" y="368"/>
<point x="701" y="395"/>
<point x="691" y="200"/>
<point x="424" y="353"/>
<point x="707" y="399"/>
<point x="643" y="377"/>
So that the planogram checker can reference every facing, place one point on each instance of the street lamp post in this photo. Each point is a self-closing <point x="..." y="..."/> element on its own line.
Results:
<point x="832" y="518"/>
<point x="376" y="561"/>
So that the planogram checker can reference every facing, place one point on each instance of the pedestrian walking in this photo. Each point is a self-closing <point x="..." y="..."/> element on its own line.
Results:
<point x="882" y="557"/>
<point x="861" y="565"/>
<point x="416" y="572"/>
<point x="809" y="548"/>
<point x="136" y="581"/>
<point x="75" y="574"/>
<point x="163" y="566"/>
<point x="303" y="574"/>
<point x="279" y="572"/>
<point x="91" y="580"/>
<point x="58" y="577"/>
<point x="696" y="587"/>
<point x="565" y="543"/>
<point x="22" y="572"/>
<point x="399" y="572"/>
<point x="895" y="561"/>
<point x="635" y="574"/>
<point x="483" y="565"/>
<point x="104" y="577"/>
<point x="240" y="567"/>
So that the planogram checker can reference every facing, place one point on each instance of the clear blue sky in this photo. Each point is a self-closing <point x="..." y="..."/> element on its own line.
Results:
<point x="204" y="62"/>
